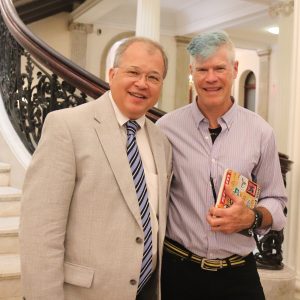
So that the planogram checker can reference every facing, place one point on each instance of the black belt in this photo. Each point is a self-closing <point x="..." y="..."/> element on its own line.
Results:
<point x="205" y="264"/>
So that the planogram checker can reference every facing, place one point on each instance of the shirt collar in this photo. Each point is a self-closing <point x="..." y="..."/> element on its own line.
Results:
<point x="121" y="118"/>
<point x="226" y="119"/>
<point x="196" y="113"/>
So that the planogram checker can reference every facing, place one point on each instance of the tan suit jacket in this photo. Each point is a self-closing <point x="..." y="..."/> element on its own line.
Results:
<point x="80" y="219"/>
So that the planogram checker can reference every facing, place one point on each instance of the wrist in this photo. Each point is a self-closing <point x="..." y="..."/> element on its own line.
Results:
<point x="257" y="222"/>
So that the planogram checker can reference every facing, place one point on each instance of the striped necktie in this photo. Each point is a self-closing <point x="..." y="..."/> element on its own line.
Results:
<point x="138" y="175"/>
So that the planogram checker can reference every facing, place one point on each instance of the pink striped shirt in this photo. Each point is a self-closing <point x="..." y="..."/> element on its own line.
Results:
<point x="245" y="144"/>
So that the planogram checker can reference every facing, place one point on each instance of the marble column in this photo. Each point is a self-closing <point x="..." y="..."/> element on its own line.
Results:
<point x="148" y="22"/>
<point x="148" y="19"/>
<point x="292" y="248"/>
<point x="79" y="34"/>
<point x="263" y="90"/>
<point x="279" y="105"/>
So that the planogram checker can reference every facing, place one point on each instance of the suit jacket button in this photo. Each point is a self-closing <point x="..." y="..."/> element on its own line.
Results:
<point x="133" y="282"/>
<point x="139" y="240"/>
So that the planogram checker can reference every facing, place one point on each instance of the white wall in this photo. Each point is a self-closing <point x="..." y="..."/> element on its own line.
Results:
<point x="54" y="31"/>
<point x="96" y="46"/>
<point x="274" y="90"/>
<point x="167" y="102"/>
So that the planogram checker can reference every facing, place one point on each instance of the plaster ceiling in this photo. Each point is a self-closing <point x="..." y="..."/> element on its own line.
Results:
<point x="244" y="20"/>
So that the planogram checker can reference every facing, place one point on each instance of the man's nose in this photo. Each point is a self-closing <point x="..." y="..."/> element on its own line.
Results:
<point x="141" y="81"/>
<point x="211" y="75"/>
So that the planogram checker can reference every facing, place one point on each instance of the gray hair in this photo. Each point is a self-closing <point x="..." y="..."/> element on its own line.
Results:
<point x="206" y="44"/>
<point x="129" y="41"/>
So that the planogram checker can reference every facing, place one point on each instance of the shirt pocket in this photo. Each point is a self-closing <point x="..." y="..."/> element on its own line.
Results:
<point x="78" y="275"/>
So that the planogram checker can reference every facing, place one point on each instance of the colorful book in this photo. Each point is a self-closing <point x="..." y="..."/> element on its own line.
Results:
<point x="242" y="186"/>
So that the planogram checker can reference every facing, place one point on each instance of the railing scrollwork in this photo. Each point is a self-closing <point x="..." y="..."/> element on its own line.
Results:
<point x="28" y="90"/>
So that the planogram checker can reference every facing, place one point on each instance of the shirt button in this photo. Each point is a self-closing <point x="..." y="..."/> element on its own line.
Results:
<point x="213" y="160"/>
<point x="139" y="240"/>
<point x="206" y="137"/>
<point x="133" y="282"/>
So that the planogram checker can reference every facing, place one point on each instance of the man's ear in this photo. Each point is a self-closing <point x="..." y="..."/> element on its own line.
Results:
<point x="235" y="68"/>
<point x="111" y="74"/>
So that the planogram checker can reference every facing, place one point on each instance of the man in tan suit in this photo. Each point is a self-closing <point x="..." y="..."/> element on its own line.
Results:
<point x="81" y="231"/>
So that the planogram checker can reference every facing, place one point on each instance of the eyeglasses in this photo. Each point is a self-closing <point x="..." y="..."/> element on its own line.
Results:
<point x="136" y="74"/>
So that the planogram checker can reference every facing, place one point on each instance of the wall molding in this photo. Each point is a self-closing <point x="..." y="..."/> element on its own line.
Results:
<point x="284" y="8"/>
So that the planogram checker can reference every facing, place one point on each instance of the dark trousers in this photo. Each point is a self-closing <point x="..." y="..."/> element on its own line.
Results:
<point x="149" y="290"/>
<point x="185" y="280"/>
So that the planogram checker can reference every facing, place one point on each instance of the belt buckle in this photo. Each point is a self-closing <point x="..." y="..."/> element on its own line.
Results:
<point x="204" y="266"/>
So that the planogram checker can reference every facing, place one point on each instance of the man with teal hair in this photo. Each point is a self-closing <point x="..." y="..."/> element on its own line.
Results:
<point x="208" y="250"/>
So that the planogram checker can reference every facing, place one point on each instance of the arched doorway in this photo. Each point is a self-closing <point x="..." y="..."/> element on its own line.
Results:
<point x="110" y="57"/>
<point x="249" y="92"/>
<point x="105" y="61"/>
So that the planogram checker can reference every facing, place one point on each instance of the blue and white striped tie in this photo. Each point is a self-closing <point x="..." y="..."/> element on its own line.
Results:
<point x="138" y="174"/>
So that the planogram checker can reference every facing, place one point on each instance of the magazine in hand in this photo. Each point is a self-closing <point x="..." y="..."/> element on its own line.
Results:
<point x="243" y="187"/>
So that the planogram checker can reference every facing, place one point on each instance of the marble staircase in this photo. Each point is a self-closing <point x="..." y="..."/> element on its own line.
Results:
<point x="9" y="242"/>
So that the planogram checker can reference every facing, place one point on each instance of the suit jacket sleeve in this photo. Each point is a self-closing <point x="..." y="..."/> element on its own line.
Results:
<point x="47" y="194"/>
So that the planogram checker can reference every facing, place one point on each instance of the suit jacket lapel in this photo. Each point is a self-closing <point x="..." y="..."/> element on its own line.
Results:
<point x="157" y="148"/>
<point x="109" y="135"/>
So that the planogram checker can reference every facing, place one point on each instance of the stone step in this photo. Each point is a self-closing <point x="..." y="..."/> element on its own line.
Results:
<point x="9" y="236"/>
<point x="9" y="193"/>
<point x="9" y="201"/>
<point x="278" y="284"/>
<point x="4" y="174"/>
<point x="10" y="285"/>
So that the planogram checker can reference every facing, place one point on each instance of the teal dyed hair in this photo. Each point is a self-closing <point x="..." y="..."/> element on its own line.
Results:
<point x="206" y="44"/>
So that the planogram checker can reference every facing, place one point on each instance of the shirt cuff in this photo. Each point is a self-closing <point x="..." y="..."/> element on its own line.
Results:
<point x="276" y="211"/>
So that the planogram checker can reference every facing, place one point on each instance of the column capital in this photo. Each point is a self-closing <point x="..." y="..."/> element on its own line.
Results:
<point x="182" y="39"/>
<point x="86" y="28"/>
<point x="263" y="52"/>
<point x="284" y="8"/>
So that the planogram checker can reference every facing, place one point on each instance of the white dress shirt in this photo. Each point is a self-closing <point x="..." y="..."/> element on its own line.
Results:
<point x="149" y="169"/>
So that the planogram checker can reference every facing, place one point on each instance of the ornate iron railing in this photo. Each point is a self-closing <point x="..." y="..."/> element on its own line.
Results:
<point x="269" y="255"/>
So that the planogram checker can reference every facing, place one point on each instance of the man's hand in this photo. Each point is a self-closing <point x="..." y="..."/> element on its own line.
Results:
<point x="233" y="219"/>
